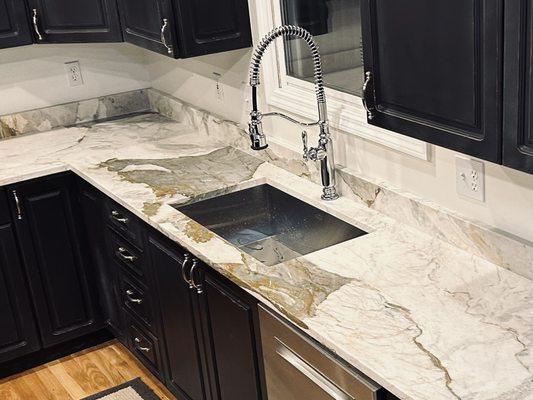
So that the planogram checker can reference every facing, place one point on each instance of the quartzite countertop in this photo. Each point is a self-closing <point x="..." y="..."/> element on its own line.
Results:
<point x="424" y="319"/>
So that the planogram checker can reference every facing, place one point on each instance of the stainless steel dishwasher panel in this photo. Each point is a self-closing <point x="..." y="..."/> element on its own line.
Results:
<point x="298" y="369"/>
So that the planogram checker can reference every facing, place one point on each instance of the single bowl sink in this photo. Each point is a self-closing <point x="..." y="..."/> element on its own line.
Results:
<point x="269" y="224"/>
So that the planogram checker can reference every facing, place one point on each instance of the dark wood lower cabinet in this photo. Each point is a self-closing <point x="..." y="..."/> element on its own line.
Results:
<point x="230" y="327"/>
<point x="190" y="326"/>
<point x="48" y="224"/>
<point x="209" y="329"/>
<point x="73" y="263"/>
<point x="106" y="276"/>
<point x="184" y="374"/>
<point x="18" y="331"/>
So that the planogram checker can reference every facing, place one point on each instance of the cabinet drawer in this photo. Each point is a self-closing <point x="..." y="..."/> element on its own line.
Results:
<point x="144" y="346"/>
<point x="136" y="300"/>
<point x="126" y="255"/>
<point x="124" y="222"/>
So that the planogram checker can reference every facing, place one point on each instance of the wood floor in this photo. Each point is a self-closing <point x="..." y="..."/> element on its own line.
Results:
<point x="80" y="375"/>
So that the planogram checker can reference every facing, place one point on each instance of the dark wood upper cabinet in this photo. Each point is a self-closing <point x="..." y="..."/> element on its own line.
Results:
<point x="186" y="28"/>
<point x="18" y="331"/>
<point x="149" y="24"/>
<point x="14" y="28"/>
<point x="48" y="224"/>
<point x="435" y="71"/>
<point x="207" y="26"/>
<point x="75" y="21"/>
<point x="518" y="86"/>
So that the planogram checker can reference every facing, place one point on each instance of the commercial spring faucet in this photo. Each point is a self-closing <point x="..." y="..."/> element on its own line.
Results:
<point x="324" y="151"/>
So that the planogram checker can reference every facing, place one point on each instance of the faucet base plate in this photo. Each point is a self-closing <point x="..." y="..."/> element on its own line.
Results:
<point x="259" y="147"/>
<point x="330" y="194"/>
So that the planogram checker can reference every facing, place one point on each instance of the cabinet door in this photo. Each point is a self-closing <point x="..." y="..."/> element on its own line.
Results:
<point x="18" y="332"/>
<point x="433" y="70"/>
<point x="105" y="271"/>
<point x="48" y="222"/>
<point x="207" y="27"/>
<point x="149" y="24"/>
<point x="14" y="28"/>
<point x="184" y="372"/>
<point x="518" y="86"/>
<point x="232" y="342"/>
<point x="75" y="21"/>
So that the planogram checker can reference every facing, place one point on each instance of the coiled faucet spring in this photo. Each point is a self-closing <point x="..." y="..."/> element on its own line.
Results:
<point x="324" y="151"/>
<point x="294" y="31"/>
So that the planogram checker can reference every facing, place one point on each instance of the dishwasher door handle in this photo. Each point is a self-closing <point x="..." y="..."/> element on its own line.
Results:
<point x="311" y="373"/>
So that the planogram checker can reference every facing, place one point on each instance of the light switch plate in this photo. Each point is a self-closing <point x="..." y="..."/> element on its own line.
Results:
<point x="74" y="76"/>
<point x="470" y="178"/>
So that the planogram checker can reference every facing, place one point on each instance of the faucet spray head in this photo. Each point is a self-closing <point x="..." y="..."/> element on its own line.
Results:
<point x="257" y="136"/>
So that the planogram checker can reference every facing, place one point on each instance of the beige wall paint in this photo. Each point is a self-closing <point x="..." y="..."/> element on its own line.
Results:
<point x="34" y="76"/>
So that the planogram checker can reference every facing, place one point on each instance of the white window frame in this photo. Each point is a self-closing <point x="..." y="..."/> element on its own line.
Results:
<point x="297" y="97"/>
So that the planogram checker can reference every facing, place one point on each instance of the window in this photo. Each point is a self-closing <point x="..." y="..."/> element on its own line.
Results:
<point x="288" y="68"/>
<point x="336" y="27"/>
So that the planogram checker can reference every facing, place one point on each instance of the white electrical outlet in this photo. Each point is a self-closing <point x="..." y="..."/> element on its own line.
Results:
<point x="470" y="177"/>
<point x="74" y="76"/>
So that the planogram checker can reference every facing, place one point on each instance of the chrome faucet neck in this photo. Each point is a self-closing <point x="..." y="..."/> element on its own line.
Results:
<point x="323" y="153"/>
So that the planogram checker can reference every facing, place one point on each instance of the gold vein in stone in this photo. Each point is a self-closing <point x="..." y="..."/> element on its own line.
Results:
<point x="434" y="359"/>
<point x="197" y="232"/>
<point x="189" y="175"/>
<point x="296" y="287"/>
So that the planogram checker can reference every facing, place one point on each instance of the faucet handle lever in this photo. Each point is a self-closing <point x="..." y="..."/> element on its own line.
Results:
<point x="306" y="149"/>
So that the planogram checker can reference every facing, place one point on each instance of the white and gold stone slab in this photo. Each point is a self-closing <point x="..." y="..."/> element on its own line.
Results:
<point x="491" y="244"/>
<point x="422" y="317"/>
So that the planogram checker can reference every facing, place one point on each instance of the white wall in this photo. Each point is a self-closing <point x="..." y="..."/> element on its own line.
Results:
<point x="509" y="193"/>
<point x="34" y="76"/>
<point x="193" y="80"/>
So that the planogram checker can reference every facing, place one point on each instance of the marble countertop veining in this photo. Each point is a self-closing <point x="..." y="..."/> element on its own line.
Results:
<point x="419" y="316"/>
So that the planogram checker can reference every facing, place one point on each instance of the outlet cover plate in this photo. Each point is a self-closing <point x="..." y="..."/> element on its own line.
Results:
<point x="470" y="178"/>
<point x="74" y="75"/>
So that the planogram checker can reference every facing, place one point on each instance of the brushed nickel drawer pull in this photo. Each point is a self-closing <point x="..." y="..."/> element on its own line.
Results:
<point x="163" y="36"/>
<point x="138" y="342"/>
<point x="17" y="204"/>
<point x="126" y="255"/>
<point x="36" y="24"/>
<point x="119" y="217"/>
<point x="198" y="286"/>
<point x="368" y="102"/>
<point x="186" y="261"/>
<point x="130" y="293"/>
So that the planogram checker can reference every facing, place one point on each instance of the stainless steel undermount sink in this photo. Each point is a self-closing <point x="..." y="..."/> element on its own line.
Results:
<point x="269" y="224"/>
